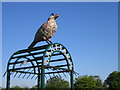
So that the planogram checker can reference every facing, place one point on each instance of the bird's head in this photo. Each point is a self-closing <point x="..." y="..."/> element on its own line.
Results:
<point x="52" y="16"/>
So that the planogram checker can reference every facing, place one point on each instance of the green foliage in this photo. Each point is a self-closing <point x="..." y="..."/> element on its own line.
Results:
<point x="105" y="85"/>
<point x="34" y="87"/>
<point x="88" y="82"/>
<point x="56" y="82"/>
<point x="113" y="80"/>
<point x="15" y="88"/>
<point x="19" y="88"/>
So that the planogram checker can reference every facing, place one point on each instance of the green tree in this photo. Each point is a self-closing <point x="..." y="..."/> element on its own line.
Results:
<point x="104" y="84"/>
<point x="56" y="82"/>
<point x="86" y="81"/>
<point x="34" y="87"/>
<point x="25" y="88"/>
<point x="113" y="80"/>
<point x="15" y="88"/>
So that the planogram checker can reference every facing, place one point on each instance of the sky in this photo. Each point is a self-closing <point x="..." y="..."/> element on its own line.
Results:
<point x="89" y="30"/>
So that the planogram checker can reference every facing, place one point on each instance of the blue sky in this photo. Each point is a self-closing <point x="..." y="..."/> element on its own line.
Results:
<point x="88" y="30"/>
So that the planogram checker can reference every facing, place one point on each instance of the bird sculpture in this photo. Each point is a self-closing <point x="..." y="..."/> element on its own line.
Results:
<point x="46" y="31"/>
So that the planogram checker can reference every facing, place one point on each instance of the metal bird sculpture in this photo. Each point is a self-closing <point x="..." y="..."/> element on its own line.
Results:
<point x="46" y="31"/>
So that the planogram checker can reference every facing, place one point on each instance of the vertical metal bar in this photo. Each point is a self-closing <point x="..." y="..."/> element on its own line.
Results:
<point x="42" y="78"/>
<point x="72" y="80"/>
<point x="38" y="81"/>
<point x="8" y="80"/>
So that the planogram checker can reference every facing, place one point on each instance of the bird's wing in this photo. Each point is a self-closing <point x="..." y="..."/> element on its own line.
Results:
<point x="44" y="26"/>
<point x="41" y="31"/>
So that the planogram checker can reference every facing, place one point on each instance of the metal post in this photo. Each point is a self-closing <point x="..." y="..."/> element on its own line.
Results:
<point x="42" y="78"/>
<point x="8" y="80"/>
<point x="72" y="80"/>
<point x="38" y="81"/>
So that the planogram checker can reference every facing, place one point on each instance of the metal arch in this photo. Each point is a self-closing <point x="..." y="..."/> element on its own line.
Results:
<point x="57" y="51"/>
<point x="39" y="65"/>
<point x="17" y="60"/>
<point x="27" y="59"/>
<point x="61" y="54"/>
<point x="9" y="61"/>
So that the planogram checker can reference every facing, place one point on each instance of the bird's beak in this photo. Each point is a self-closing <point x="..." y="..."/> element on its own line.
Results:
<point x="56" y="16"/>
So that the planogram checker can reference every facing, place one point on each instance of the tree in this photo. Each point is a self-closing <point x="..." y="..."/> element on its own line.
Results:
<point x="25" y="88"/>
<point x="56" y="82"/>
<point x="104" y="84"/>
<point x="86" y="81"/>
<point x="34" y="87"/>
<point x="15" y="88"/>
<point x="113" y="80"/>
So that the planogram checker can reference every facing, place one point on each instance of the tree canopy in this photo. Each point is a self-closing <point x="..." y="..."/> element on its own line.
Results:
<point x="88" y="82"/>
<point x="57" y="82"/>
<point x="81" y="82"/>
<point x="113" y="80"/>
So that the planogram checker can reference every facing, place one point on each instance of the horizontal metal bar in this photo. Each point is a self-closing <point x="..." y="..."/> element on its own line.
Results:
<point x="33" y="49"/>
<point x="57" y="60"/>
<point x="56" y="68"/>
<point x="56" y="54"/>
<point x="40" y="73"/>
<point x="56" y="72"/>
<point x="45" y="66"/>
<point x="24" y="68"/>
<point x="37" y="58"/>
<point x="61" y="65"/>
<point x="24" y="72"/>
<point x="20" y="56"/>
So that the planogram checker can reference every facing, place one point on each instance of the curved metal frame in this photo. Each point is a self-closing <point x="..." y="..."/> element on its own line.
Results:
<point x="39" y="67"/>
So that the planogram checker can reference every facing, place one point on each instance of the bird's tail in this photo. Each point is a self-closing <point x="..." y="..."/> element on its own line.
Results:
<point x="32" y="45"/>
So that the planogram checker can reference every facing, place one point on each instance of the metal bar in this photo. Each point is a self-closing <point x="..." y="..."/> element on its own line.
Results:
<point x="49" y="75"/>
<point x="39" y="82"/>
<point x="53" y="74"/>
<point x="32" y="76"/>
<point x="15" y="74"/>
<point x="42" y="78"/>
<point x="56" y="72"/>
<point x="36" y="53"/>
<point x="64" y="74"/>
<point x="4" y="74"/>
<point x="56" y="67"/>
<point x="20" y="75"/>
<point x="57" y="60"/>
<point x="33" y="49"/>
<point x="8" y="80"/>
<point x="71" y="80"/>
<point x="59" y="75"/>
<point x="28" y="76"/>
<point x="61" y="65"/>
<point x="37" y="58"/>
<point x="24" y="68"/>
<point x="25" y="72"/>
<point x="20" y="56"/>
<point x="46" y="77"/>
<point x="54" y="54"/>
<point x="24" y="76"/>
<point x="36" y="77"/>
<point x="40" y="73"/>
